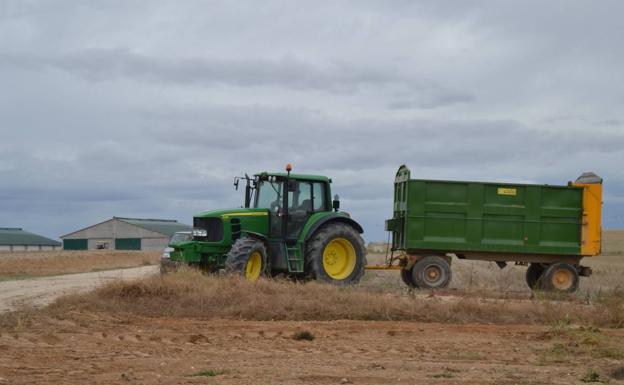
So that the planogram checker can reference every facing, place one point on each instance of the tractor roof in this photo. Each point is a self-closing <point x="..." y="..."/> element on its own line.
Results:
<point x="319" y="178"/>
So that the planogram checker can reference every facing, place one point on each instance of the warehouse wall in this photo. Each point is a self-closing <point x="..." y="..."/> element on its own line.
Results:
<point x="28" y="248"/>
<point x="154" y="243"/>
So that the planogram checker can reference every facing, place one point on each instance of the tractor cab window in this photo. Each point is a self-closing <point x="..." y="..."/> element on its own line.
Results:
<point x="300" y="207"/>
<point x="269" y="196"/>
<point x="318" y="196"/>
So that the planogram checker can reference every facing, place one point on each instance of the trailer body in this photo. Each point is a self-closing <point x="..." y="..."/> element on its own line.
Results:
<point x="497" y="221"/>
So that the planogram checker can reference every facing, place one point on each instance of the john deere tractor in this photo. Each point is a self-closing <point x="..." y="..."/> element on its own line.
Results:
<point x="289" y="225"/>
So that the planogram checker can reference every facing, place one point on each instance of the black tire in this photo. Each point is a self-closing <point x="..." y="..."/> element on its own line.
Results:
<point x="240" y="253"/>
<point x="432" y="272"/>
<point x="560" y="277"/>
<point x="533" y="275"/>
<point x="321" y="239"/>
<point x="406" y="277"/>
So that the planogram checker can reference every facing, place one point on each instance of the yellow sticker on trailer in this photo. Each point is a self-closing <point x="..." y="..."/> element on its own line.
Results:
<point x="506" y="191"/>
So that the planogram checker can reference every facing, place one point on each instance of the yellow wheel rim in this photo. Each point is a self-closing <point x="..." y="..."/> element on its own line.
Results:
<point x="254" y="266"/>
<point x="562" y="279"/>
<point x="339" y="258"/>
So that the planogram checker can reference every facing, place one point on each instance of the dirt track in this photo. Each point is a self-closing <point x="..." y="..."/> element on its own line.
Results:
<point x="42" y="291"/>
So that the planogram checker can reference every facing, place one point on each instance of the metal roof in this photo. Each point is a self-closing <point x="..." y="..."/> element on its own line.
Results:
<point x="163" y="226"/>
<point x="17" y="236"/>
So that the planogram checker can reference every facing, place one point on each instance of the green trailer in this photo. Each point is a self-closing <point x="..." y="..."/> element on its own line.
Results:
<point x="547" y="228"/>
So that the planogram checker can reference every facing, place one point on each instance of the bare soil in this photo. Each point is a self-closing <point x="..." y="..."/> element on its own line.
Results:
<point x="107" y="350"/>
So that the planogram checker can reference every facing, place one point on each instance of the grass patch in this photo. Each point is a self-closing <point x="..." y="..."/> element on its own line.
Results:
<point x="591" y="376"/>
<point x="303" y="336"/>
<point x="208" y="373"/>
<point x="583" y="341"/>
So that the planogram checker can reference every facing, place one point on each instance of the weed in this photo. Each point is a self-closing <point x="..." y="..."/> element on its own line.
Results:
<point x="591" y="376"/>
<point x="208" y="373"/>
<point x="447" y="373"/>
<point x="303" y="336"/>
<point x="561" y="326"/>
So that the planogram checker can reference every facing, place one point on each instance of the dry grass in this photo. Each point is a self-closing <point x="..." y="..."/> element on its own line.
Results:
<point x="41" y="263"/>
<point x="189" y="294"/>
<point x="482" y="293"/>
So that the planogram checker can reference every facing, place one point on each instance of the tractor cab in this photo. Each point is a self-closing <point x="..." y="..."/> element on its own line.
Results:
<point x="291" y="201"/>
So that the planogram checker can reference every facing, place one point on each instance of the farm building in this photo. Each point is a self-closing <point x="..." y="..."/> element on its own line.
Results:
<point x="124" y="234"/>
<point x="16" y="239"/>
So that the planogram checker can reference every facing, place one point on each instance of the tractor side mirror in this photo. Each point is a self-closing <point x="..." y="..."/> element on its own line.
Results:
<point x="336" y="202"/>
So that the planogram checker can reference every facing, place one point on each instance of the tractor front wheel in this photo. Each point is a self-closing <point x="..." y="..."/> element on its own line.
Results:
<point x="336" y="255"/>
<point x="247" y="257"/>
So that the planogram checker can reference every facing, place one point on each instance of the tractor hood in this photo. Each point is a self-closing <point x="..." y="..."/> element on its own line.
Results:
<point x="229" y="213"/>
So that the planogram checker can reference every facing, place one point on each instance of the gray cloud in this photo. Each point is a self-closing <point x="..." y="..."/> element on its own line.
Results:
<point x="111" y="64"/>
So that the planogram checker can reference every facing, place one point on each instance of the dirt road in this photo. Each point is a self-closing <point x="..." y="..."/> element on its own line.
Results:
<point x="42" y="291"/>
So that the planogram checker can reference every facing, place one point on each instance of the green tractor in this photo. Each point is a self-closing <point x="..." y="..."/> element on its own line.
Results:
<point x="288" y="225"/>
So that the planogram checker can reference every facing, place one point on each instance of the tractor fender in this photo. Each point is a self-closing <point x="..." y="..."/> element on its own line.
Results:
<point x="332" y="218"/>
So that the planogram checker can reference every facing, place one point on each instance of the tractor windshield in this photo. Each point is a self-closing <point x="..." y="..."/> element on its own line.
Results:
<point x="269" y="195"/>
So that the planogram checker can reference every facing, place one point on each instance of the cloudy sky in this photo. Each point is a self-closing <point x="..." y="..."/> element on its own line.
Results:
<point x="149" y="108"/>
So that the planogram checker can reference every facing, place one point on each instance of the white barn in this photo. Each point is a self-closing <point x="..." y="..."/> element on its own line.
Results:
<point x="124" y="234"/>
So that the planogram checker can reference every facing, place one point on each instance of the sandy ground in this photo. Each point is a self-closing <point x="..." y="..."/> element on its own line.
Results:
<point x="174" y="351"/>
<point x="42" y="291"/>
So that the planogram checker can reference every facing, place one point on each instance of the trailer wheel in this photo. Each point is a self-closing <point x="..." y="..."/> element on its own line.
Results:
<point x="432" y="272"/>
<point x="247" y="257"/>
<point x="406" y="277"/>
<point x="534" y="274"/>
<point x="560" y="277"/>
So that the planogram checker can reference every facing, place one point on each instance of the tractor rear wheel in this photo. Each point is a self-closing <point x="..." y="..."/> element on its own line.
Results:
<point x="247" y="257"/>
<point x="335" y="254"/>
<point x="432" y="272"/>
<point x="560" y="277"/>
<point x="534" y="274"/>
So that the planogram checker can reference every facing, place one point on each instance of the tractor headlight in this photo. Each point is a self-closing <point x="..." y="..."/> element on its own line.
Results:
<point x="201" y="233"/>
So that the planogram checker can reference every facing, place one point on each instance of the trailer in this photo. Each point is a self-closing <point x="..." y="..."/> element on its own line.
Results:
<point x="547" y="228"/>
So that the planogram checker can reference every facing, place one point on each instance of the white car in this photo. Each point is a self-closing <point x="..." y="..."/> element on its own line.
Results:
<point x="165" y="260"/>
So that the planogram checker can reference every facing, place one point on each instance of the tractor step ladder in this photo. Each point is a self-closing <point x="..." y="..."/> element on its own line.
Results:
<point x="295" y="259"/>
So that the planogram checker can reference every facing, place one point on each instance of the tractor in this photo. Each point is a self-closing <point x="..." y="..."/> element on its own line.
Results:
<point x="288" y="225"/>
